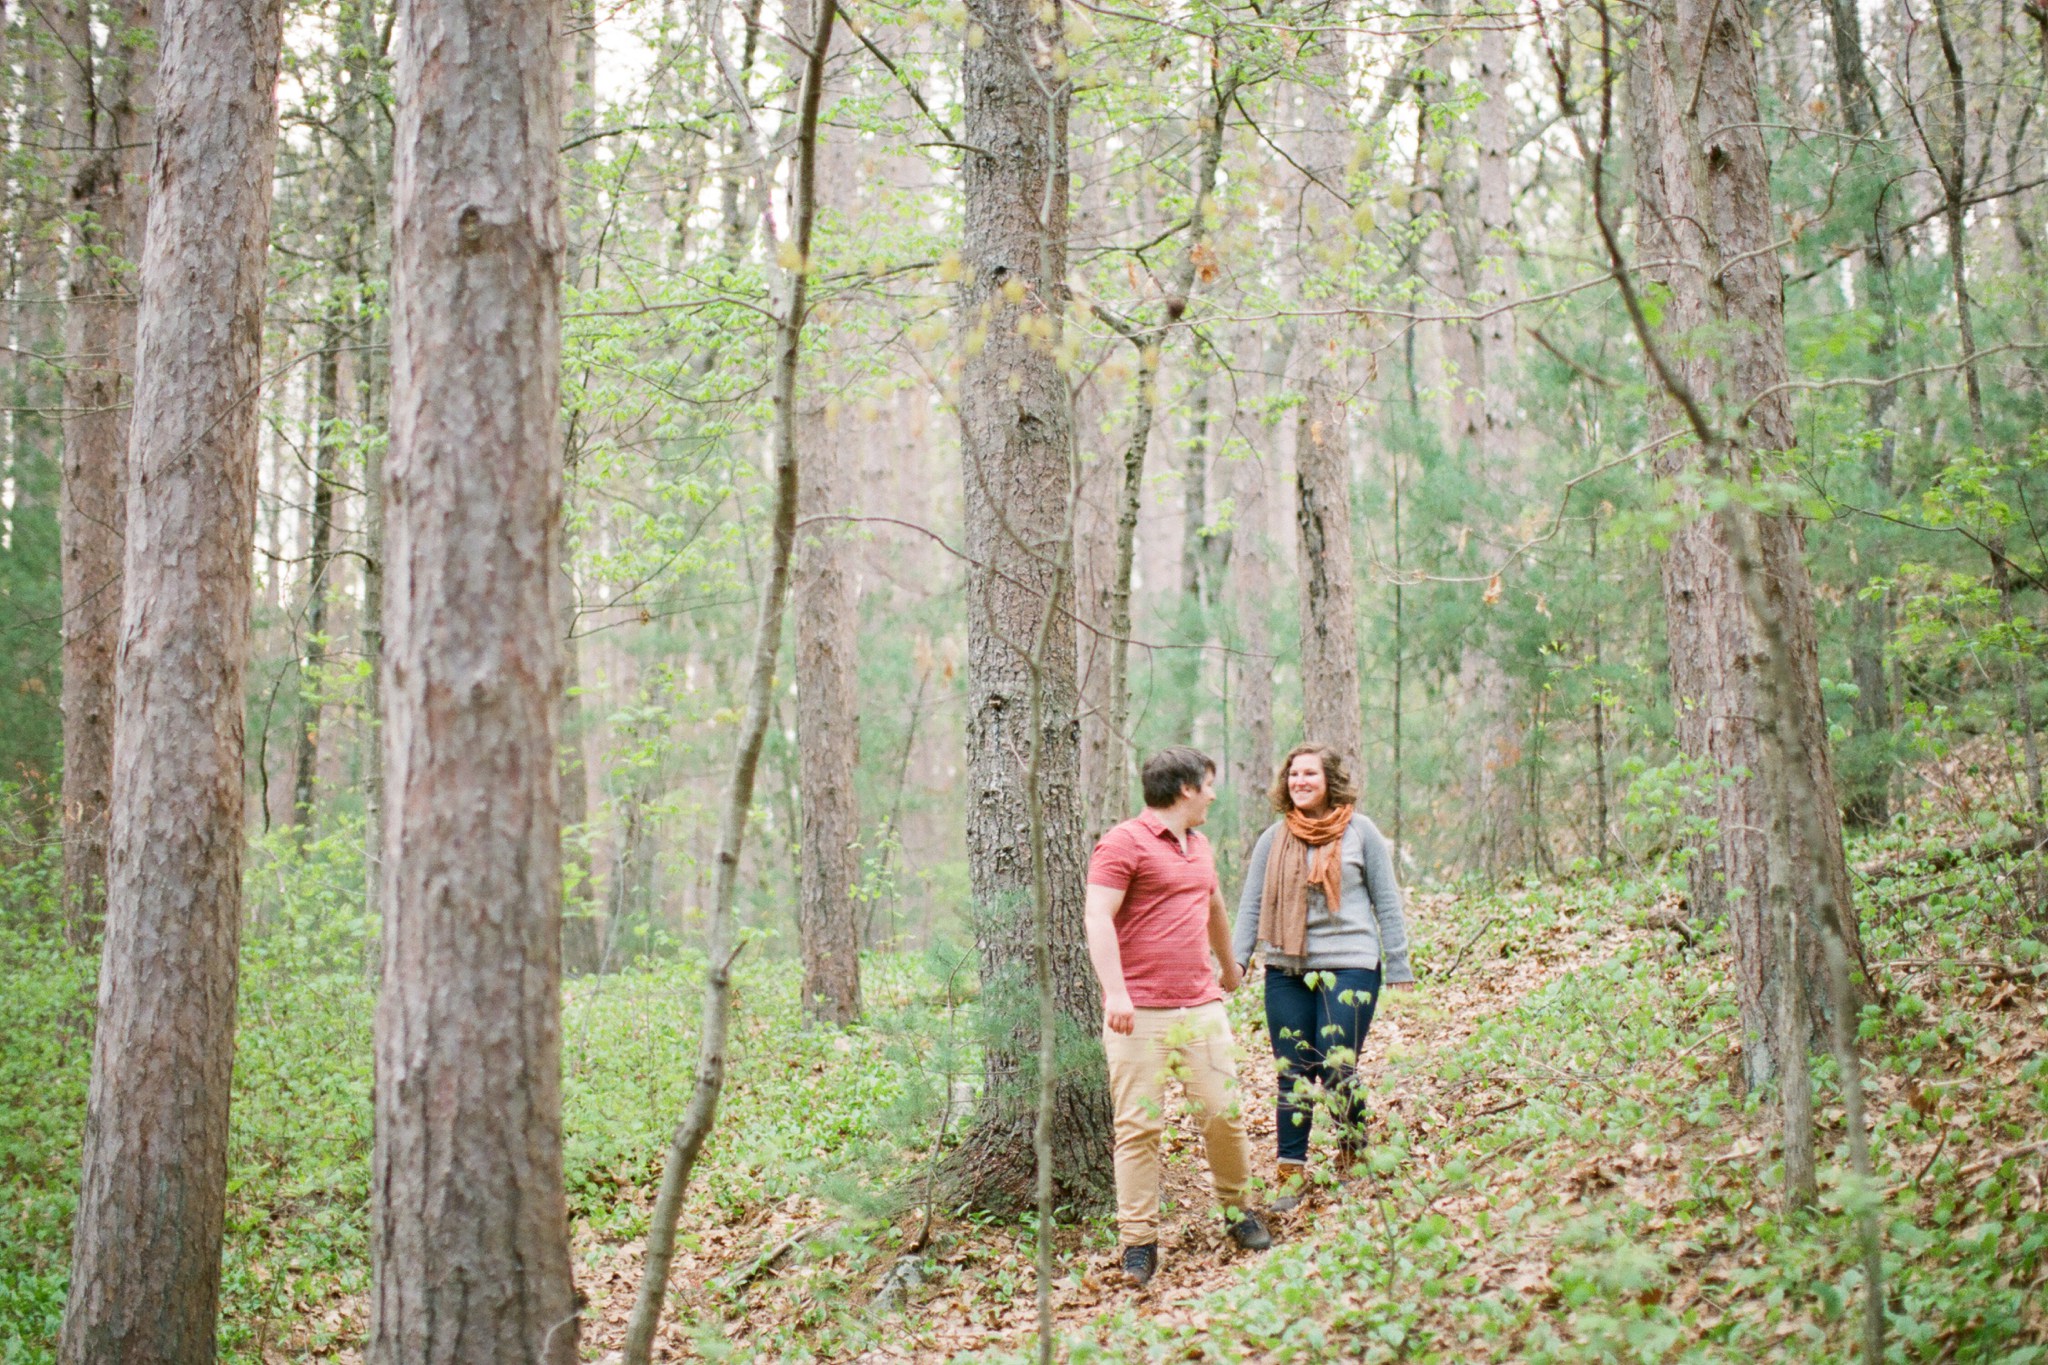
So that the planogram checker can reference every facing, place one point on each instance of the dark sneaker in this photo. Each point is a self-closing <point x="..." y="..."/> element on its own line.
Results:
<point x="1250" y="1233"/>
<point x="1141" y="1263"/>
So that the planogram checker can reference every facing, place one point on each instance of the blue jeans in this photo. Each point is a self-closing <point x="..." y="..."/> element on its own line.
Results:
<point x="1317" y="1032"/>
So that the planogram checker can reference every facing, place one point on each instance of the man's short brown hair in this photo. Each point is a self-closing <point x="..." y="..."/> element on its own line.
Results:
<point x="1170" y="772"/>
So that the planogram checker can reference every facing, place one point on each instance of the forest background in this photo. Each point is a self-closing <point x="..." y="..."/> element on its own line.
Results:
<point x="1418" y="262"/>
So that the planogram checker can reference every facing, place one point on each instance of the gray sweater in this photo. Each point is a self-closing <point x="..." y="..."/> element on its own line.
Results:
<point x="1368" y="929"/>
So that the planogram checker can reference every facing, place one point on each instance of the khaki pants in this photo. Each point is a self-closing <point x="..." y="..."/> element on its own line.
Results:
<point x="1195" y="1045"/>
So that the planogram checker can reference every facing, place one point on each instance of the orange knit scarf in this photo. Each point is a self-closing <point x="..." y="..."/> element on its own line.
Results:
<point x="1306" y="852"/>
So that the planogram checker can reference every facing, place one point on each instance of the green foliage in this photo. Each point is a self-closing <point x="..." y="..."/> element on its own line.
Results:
<point x="46" y="1004"/>
<point x="806" y="1110"/>
<point x="31" y="640"/>
<point x="1665" y="810"/>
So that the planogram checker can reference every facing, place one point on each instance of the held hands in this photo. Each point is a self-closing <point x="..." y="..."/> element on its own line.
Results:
<point x="1233" y="977"/>
<point x="1117" y="1013"/>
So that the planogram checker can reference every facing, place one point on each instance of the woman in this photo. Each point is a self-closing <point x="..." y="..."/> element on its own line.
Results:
<point x="1321" y="898"/>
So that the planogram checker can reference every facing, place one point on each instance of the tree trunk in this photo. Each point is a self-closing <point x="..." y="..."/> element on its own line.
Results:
<point x="1867" y="786"/>
<point x="1188" y="670"/>
<point x="1702" y="177"/>
<point x="145" y="1267"/>
<point x="827" y="602"/>
<point x="368" y="188"/>
<point x="1249" y="595"/>
<point x="326" y="451"/>
<point x="1498" y="803"/>
<point x="1113" y="798"/>
<point x="1599" y="704"/>
<point x="1017" y="447"/>
<point x="1331" y="704"/>
<point x="827" y="731"/>
<point x="469" y="1221"/>
<point x="1953" y="171"/>
<point x="583" y="937"/>
<point x="106" y="135"/>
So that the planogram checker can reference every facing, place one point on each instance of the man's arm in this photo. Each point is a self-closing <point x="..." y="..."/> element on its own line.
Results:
<point x="1100" y="916"/>
<point x="1219" y="942"/>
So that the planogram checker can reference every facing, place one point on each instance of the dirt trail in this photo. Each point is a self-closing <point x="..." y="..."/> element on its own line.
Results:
<point x="1196" y="1258"/>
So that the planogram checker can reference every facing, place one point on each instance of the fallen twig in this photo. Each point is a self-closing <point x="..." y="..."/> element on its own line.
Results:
<point x="1467" y="946"/>
<point x="2001" y="970"/>
<point x="1997" y="1159"/>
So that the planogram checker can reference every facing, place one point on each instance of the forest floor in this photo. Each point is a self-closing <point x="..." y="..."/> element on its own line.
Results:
<point x="1565" y="1167"/>
<point x="975" y="1289"/>
<point x="1566" y="1173"/>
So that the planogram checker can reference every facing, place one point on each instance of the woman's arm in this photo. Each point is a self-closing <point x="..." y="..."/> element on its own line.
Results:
<point x="1384" y="889"/>
<point x="1245" y="936"/>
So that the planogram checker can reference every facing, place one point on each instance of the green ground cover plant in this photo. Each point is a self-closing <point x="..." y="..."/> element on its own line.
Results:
<point x="1563" y="1168"/>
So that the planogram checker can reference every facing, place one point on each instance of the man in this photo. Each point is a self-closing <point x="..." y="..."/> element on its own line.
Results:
<point x="1155" y="917"/>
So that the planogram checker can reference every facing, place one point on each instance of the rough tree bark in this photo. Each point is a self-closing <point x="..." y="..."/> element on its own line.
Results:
<point x="145" y="1260"/>
<point x="1017" y="446"/>
<point x="827" y="608"/>
<point x="721" y="944"/>
<point x="1331" y="704"/>
<point x="107" y="136"/>
<point x="1703" y="183"/>
<point x="827" y="730"/>
<point x="469" y="1221"/>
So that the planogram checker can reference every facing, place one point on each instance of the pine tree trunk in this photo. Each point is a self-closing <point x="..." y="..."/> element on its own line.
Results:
<point x="469" y="1231"/>
<point x="1017" y="447"/>
<point x="1489" y="697"/>
<point x="583" y="935"/>
<point x="1192" y="698"/>
<point x="827" y="729"/>
<point x="326" y="451"/>
<point x="1867" y="788"/>
<point x="366" y="193"/>
<point x="826" y="594"/>
<point x="1249" y="593"/>
<point x="145" y="1272"/>
<point x="1702" y="176"/>
<point x="106" y="134"/>
<point x="1331" y="703"/>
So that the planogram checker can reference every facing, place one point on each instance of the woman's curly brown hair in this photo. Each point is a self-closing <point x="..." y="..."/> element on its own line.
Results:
<point x="1336" y="777"/>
